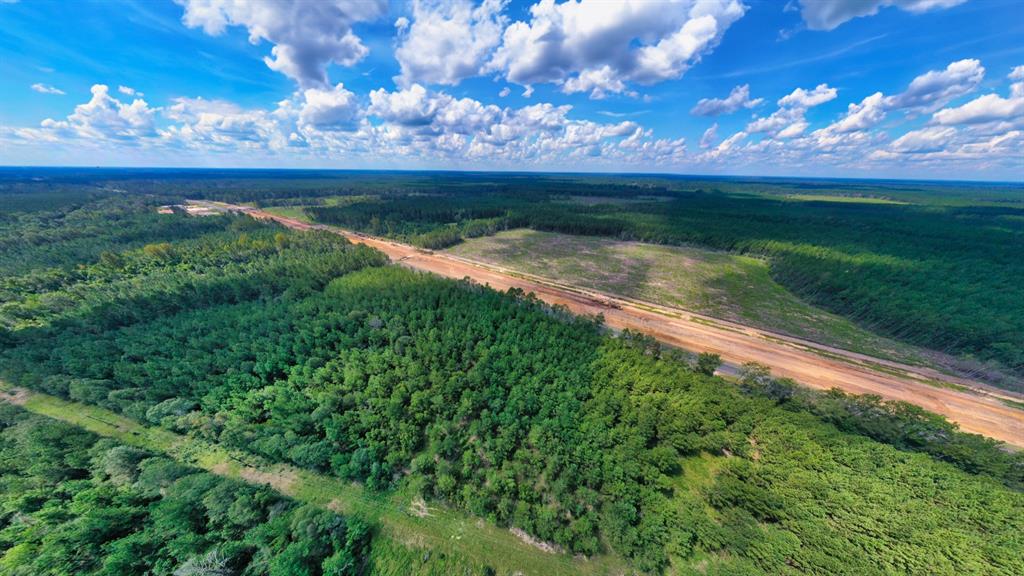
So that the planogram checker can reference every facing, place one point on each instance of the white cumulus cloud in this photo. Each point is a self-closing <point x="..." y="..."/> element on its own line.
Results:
<point x="707" y="140"/>
<point x="447" y="41"/>
<point x="217" y="124"/>
<point x="829" y="14"/>
<point x="333" y="109"/>
<point x="413" y="106"/>
<point x="419" y="125"/>
<point x="868" y="113"/>
<point x="987" y="108"/>
<point x="990" y="108"/>
<point x="738" y="98"/>
<point x="928" y="139"/>
<point x="801" y="98"/>
<point x="599" y="46"/>
<point x="417" y="122"/>
<point x="307" y="35"/>
<point x="599" y="82"/>
<point x="925" y="93"/>
<point x="1017" y="88"/>
<point x="788" y="121"/>
<point x="47" y="89"/>
<point x="106" y="118"/>
<point x="936" y="88"/>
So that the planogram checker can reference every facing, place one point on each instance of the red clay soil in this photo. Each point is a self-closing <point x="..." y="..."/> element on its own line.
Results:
<point x="978" y="410"/>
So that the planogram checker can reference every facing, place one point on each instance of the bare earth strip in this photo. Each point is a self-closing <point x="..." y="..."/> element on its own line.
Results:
<point x="978" y="409"/>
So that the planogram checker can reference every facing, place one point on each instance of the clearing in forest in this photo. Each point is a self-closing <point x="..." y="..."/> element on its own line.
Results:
<point x="729" y="286"/>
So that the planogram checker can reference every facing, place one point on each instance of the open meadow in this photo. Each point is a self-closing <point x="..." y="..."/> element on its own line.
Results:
<point x="734" y="287"/>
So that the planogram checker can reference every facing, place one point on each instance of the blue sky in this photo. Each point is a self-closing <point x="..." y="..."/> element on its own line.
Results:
<point x="888" y="88"/>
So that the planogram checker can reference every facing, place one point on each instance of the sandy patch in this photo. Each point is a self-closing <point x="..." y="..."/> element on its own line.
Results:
<point x="281" y="479"/>
<point x="548" y="547"/>
<point x="16" y="396"/>
<point x="419" y="508"/>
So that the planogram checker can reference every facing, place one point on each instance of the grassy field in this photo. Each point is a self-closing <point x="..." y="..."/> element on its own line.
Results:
<point x="414" y="538"/>
<point x="727" y="286"/>
<point x="596" y="200"/>
<point x="842" y="199"/>
<point x="296" y="212"/>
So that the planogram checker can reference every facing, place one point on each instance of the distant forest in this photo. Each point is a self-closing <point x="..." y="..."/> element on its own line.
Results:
<point x="305" y="349"/>
<point x="932" y="264"/>
<point x="945" y="277"/>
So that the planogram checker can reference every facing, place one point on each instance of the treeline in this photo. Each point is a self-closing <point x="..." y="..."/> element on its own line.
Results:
<point x="429" y="221"/>
<point x="60" y="233"/>
<point x="74" y="505"/>
<point x="943" y="277"/>
<point x="164" y="278"/>
<point x="893" y="422"/>
<point x="509" y="409"/>
<point x="30" y="196"/>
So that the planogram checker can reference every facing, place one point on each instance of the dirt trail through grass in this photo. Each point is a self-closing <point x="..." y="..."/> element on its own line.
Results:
<point x="399" y="515"/>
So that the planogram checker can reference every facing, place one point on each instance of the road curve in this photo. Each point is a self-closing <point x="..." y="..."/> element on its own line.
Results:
<point x="978" y="410"/>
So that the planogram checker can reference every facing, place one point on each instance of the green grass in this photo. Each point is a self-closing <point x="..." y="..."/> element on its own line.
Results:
<point x="842" y="199"/>
<point x="389" y="558"/>
<point x="1012" y="403"/>
<point x="296" y="212"/>
<point x="346" y="200"/>
<point x="727" y="286"/>
<point x="597" y="200"/>
<point x="443" y="541"/>
<point x="698" y="472"/>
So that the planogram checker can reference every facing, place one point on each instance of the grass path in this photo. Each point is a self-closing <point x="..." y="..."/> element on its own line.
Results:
<point x="403" y="519"/>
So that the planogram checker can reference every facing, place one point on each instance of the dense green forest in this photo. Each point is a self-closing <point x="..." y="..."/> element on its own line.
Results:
<point x="72" y="504"/>
<point x="67" y="233"/>
<point x="944" y="277"/>
<point x="932" y="264"/>
<point x="302" y="348"/>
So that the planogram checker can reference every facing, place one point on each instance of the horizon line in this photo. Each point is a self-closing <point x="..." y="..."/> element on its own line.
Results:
<point x="8" y="167"/>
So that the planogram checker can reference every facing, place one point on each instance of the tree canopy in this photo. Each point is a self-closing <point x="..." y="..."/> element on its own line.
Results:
<point x="303" y="348"/>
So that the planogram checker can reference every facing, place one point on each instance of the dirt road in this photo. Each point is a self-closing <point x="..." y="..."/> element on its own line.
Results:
<point x="978" y="409"/>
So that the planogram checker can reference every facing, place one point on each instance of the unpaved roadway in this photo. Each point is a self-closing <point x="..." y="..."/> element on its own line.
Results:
<point x="978" y="410"/>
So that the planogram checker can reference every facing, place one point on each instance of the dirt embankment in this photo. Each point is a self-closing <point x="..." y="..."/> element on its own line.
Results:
<point x="978" y="410"/>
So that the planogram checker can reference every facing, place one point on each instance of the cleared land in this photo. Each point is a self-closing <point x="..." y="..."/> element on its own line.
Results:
<point x="842" y="199"/>
<point x="728" y="286"/>
<point x="976" y="410"/>
<point x="298" y="211"/>
<point x="295" y="212"/>
<point x="404" y="520"/>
